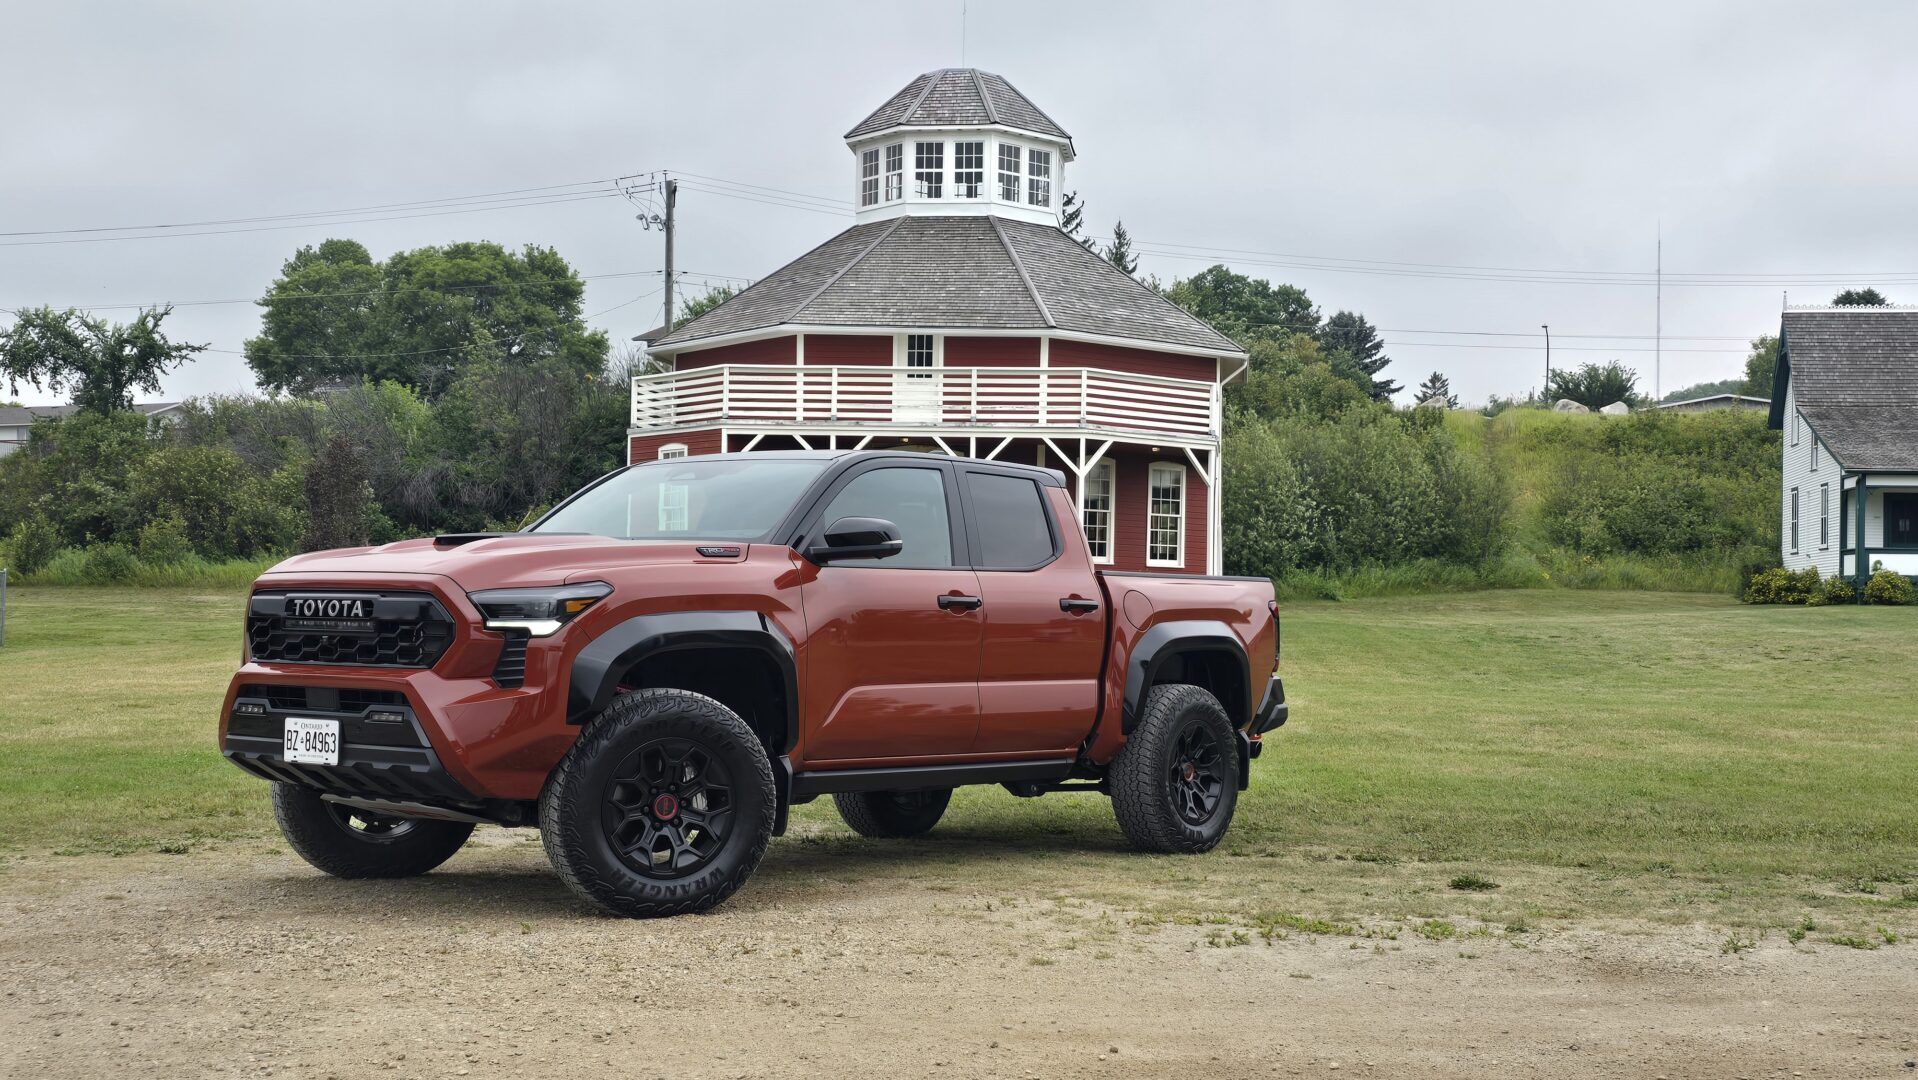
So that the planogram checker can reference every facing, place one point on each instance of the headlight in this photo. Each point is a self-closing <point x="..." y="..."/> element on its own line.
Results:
<point x="537" y="612"/>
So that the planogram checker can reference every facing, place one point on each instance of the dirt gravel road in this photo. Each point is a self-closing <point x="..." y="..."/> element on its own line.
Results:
<point x="242" y="962"/>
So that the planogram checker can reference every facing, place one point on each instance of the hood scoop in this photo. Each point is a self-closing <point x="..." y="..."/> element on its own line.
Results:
<point x="447" y="540"/>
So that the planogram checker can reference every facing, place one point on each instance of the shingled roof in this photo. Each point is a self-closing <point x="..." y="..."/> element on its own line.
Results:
<point x="1853" y="372"/>
<point x="956" y="97"/>
<point x="956" y="273"/>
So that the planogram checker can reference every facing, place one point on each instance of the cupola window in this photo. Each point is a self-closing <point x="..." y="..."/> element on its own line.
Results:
<point x="1039" y="177"/>
<point x="929" y="170"/>
<point x="969" y="170"/>
<point x="895" y="171"/>
<point x="869" y="178"/>
<point x="1009" y="156"/>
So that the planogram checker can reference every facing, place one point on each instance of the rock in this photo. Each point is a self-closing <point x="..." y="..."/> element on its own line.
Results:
<point x="1616" y="408"/>
<point x="1568" y="405"/>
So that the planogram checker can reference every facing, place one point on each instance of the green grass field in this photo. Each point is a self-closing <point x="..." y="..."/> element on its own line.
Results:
<point x="1599" y="753"/>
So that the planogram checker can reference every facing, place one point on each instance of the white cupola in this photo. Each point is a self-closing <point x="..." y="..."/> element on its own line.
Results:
<point x="956" y="142"/>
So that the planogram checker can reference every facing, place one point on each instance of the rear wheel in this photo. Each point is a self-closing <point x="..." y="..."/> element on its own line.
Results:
<point x="663" y="806"/>
<point x="893" y="814"/>
<point x="349" y="842"/>
<point x="1175" y="782"/>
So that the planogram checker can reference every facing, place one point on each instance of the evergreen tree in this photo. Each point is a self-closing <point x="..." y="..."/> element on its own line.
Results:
<point x="1073" y="221"/>
<point x="1349" y="339"/>
<point x="1119" y="252"/>
<point x="1859" y="298"/>
<point x="1437" y="390"/>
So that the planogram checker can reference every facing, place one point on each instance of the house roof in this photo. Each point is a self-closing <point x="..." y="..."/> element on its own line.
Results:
<point x="956" y="273"/>
<point x="23" y="415"/>
<point x="1853" y="373"/>
<point x="1730" y="398"/>
<point x="959" y="97"/>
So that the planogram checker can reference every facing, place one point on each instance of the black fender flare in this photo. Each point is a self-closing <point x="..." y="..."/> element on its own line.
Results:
<point x="1167" y="640"/>
<point x="598" y="668"/>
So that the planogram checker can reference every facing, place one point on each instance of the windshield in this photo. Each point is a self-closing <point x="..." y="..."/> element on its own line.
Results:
<point x="689" y="499"/>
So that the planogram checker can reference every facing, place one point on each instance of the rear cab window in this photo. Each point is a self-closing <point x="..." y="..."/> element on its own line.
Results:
<point x="1014" y="532"/>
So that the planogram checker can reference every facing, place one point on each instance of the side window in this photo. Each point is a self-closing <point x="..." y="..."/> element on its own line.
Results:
<point x="1014" y="533"/>
<point x="913" y="499"/>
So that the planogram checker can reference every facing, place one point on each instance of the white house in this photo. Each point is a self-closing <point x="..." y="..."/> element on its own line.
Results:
<point x="1846" y="397"/>
<point x="16" y="421"/>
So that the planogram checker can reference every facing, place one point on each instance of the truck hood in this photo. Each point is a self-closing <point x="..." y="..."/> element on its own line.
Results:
<point x="494" y="562"/>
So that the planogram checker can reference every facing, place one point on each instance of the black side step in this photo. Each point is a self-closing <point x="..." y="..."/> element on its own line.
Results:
<point x="921" y="777"/>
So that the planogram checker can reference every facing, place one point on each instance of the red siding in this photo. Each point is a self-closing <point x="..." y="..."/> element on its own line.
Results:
<point x="847" y="349"/>
<point x="991" y="352"/>
<point x="1135" y="361"/>
<point x="1131" y="465"/>
<point x="646" y="447"/>
<point x="770" y="351"/>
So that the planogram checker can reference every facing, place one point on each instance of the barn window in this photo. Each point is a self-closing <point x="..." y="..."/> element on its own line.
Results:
<point x="895" y="171"/>
<point x="968" y="170"/>
<point x="928" y="170"/>
<point x="672" y="450"/>
<point x="1009" y="158"/>
<point x="919" y="354"/>
<point x="869" y="178"/>
<point x="1098" y="511"/>
<point x="1039" y="177"/>
<point x="1165" y="515"/>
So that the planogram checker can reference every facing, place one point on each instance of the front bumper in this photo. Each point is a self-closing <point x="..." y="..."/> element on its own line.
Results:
<point x="1272" y="708"/>
<point x="384" y="751"/>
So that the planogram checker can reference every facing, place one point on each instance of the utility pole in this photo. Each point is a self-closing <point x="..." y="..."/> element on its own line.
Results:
<point x="672" y="196"/>
<point x="1546" y="392"/>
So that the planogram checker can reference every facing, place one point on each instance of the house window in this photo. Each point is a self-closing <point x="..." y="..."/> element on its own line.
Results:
<point x="869" y="178"/>
<point x="1901" y="521"/>
<point x="895" y="171"/>
<point x="1039" y="177"/>
<point x="1098" y="511"/>
<point x="928" y="170"/>
<point x="1794" y="520"/>
<point x="1814" y="455"/>
<point x="673" y="508"/>
<point x="919" y="355"/>
<point x="1795" y="421"/>
<point x="1009" y="157"/>
<point x="1165" y="516"/>
<point x="672" y="450"/>
<point x="1824" y="515"/>
<point x="969" y="170"/>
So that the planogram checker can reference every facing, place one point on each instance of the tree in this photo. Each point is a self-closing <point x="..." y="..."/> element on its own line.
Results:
<point x="1348" y="338"/>
<point x="1707" y="389"/>
<point x="102" y="363"/>
<point x="1761" y="366"/>
<point x="1245" y="309"/>
<point x="1073" y="222"/>
<point x="1859" y="298"/>
<point x="1437" y="390"/>
<point x="335" y="317"/>
<point x="339" y="499"/>
<point x="1119" y="252"/>
<point x="700" y="305"/>
<point x="1595" y="385"/>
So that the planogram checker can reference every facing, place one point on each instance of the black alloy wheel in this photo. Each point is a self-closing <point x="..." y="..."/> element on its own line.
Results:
<point x="668" y="808"/>
<point x="1196" y="776"/>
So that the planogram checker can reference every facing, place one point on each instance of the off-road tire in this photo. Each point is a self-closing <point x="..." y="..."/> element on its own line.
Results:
<point x="893" y="815"/>
<point x="572" y="808"/>
<point x="325" y="835"/>
<point x="1145" y="794"/>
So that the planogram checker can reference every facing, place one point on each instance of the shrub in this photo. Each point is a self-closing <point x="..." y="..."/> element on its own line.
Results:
<point x="108" y="564"/>
<point x="1832" y="590"/>
<point x="1781" y="586"/>
<point x="163" y="542"/>
<point x="1888" y="587"/>
<point x="32" y="544"/>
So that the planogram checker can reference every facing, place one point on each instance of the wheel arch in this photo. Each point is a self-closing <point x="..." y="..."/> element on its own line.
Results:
<point x="738" y="658"/>
<point x="1204" y="653"/>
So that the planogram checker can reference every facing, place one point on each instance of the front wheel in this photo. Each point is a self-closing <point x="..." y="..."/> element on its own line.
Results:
<point x="663" y="806"/>
<point x="1175" y="782"/>
<point x="348" y="842"/>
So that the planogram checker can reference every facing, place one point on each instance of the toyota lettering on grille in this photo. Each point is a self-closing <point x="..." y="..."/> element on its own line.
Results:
<point x="329" y="614"/>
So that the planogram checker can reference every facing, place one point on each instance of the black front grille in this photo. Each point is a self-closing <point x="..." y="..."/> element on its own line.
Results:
<point x="510" y="672"/>
<point x="407" y="630"/>
<point x="322" y="698"/>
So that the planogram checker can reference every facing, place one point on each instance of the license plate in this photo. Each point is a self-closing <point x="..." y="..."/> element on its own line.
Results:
<point x="312" y="742"/>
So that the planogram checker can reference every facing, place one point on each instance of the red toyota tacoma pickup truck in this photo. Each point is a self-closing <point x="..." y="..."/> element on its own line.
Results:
<point x="657" y="669"/>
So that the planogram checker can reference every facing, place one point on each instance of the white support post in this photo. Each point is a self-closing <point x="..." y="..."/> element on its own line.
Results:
<point x="1003" y="443"/>
<point x="801" y="440"/>
<point x="943" y="446"/>
<point x="752" y="442"/>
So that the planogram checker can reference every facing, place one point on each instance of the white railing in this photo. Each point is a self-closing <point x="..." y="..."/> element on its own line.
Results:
<point x="1058" y="397"/>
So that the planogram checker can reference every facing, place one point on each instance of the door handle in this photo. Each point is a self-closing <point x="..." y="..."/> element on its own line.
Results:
<point x="960" y="603"/>
<point x="1077" y="606"/>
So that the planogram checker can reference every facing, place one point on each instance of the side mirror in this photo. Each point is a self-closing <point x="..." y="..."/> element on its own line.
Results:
<point x="858" y="538"/>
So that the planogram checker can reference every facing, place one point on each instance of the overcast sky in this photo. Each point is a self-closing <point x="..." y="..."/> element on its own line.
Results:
<point x="1769" y="139"/>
